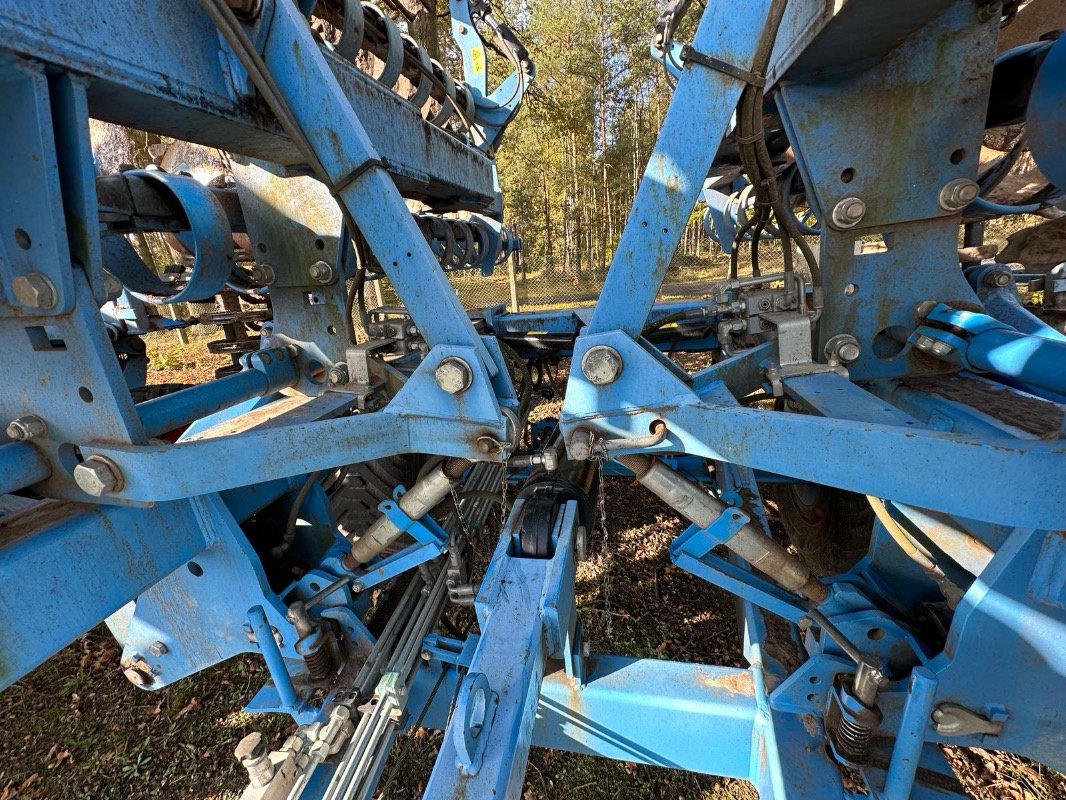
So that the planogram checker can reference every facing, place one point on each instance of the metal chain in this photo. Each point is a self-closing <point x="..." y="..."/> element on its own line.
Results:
<point x="464" y="529"/>
<point x="503" y="500"/>
<point x="607" y="622"/>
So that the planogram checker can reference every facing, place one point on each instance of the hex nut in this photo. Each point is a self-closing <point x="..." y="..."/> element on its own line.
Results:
<point x="453" y="375"/>
<point x="848" y="212"/>
<point x="321" y="272"/>
<point x="601" y="365"/>
<point x="28" y="427"/>
<point x="958" y="193"/>
<point x="158" y="649"/>
<point x="338" y="374"/>
<point x="98" y="476"/>
<point x="34" y="290"/>
<point x="264" y="274"/>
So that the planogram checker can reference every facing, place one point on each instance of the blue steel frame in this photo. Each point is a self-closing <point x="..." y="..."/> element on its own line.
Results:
<point x="167" y="532"/>
<point x="161" y="551"/>
<point x="872" y="434"/>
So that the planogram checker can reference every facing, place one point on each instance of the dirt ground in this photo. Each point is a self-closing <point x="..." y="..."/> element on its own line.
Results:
<point x="76" y="728"/>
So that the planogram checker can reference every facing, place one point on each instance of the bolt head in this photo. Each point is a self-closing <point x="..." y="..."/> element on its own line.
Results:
<point x="264" y="274"/>
<point x="453" y="375"/>
<point x="958" y="193"/>
<point x="849" y="351"/>
<point x="321" y="272"/>
<point x="34" y="290"/>
<point x="27" y="427"/>
<point x="997" y="278"/>
<point x="848" y="212"/>
<point x="158" y="649"/>
<point x="138" y="676"/>
<point x="338" y="375"/>
<point x="843" y="347"/>
<point x="601" y="365"/>
<point x="98" y="476"/>
<point x="488" y="445"/>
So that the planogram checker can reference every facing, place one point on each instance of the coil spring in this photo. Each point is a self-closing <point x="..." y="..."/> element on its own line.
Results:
<point x="457" y="244"/>
<point x="853" y="740"/>
<point x="236" y="343"/>
<point x="366" y="28"/>
<point x="319" y="662"/>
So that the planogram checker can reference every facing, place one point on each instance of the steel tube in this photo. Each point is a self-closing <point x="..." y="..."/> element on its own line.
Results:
<point x="415" y="503"/>
<point x="270" y="371"/>
<point x="910" y="739"/>
<point x="752" y="545"/>
<point x="21" y="465"/>
<point x="273" y="658"/>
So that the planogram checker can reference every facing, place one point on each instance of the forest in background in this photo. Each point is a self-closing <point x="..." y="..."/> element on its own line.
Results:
<point x="571" y="161"/>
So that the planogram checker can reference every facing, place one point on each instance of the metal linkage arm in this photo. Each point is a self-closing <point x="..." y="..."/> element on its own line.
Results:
<point x="526" y="612"/>
<point x="980" y="342"/>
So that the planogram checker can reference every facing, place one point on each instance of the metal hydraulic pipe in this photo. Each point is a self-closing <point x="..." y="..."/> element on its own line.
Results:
<point x="415" y="502"/>
<point x="266" y="371"/>
<point x="749" y="543"/>
<point x="21" y="465"/>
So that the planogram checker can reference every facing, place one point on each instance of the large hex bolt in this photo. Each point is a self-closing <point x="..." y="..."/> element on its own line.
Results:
<point x="848" y="212"/>
<point x="453" y="375"/>
<point x="138" y="673"/>
<point x="34" y="290"/>
<point x="321" y="272"/>
<point x="601" y="365"/>
<point x="28" y="427"/>
<point x="993" y="279"/>
<point x="958" y="193"/>
<point x="98" y="476"/>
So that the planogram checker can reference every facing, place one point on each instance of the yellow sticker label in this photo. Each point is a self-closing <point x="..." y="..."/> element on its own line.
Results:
<point x="477" y="60"/>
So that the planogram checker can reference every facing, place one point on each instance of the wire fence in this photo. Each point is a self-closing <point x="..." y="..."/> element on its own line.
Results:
<point x="530" y="281"/>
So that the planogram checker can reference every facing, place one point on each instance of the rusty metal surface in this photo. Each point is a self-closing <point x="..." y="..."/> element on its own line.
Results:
<point x="129" y="53"/>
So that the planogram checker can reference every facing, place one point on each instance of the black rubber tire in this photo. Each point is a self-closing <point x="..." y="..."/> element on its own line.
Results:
<point x="356" y="501"/>
<point x="830" y="528"/>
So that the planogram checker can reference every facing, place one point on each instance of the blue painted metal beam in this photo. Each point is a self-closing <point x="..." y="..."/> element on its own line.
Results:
<point x="525" y="612"/>
<point x="267" y="371"/>
<point x="352" y="164"/>
<point x="867" y="456"/>
<point x="21" y="465"/>
<point x="421" y="418"/>
<point x="160" y="68"/>
<point x="695" y="122"/>
<point x="663" y="713"/>
<point x="67" y="566"/>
